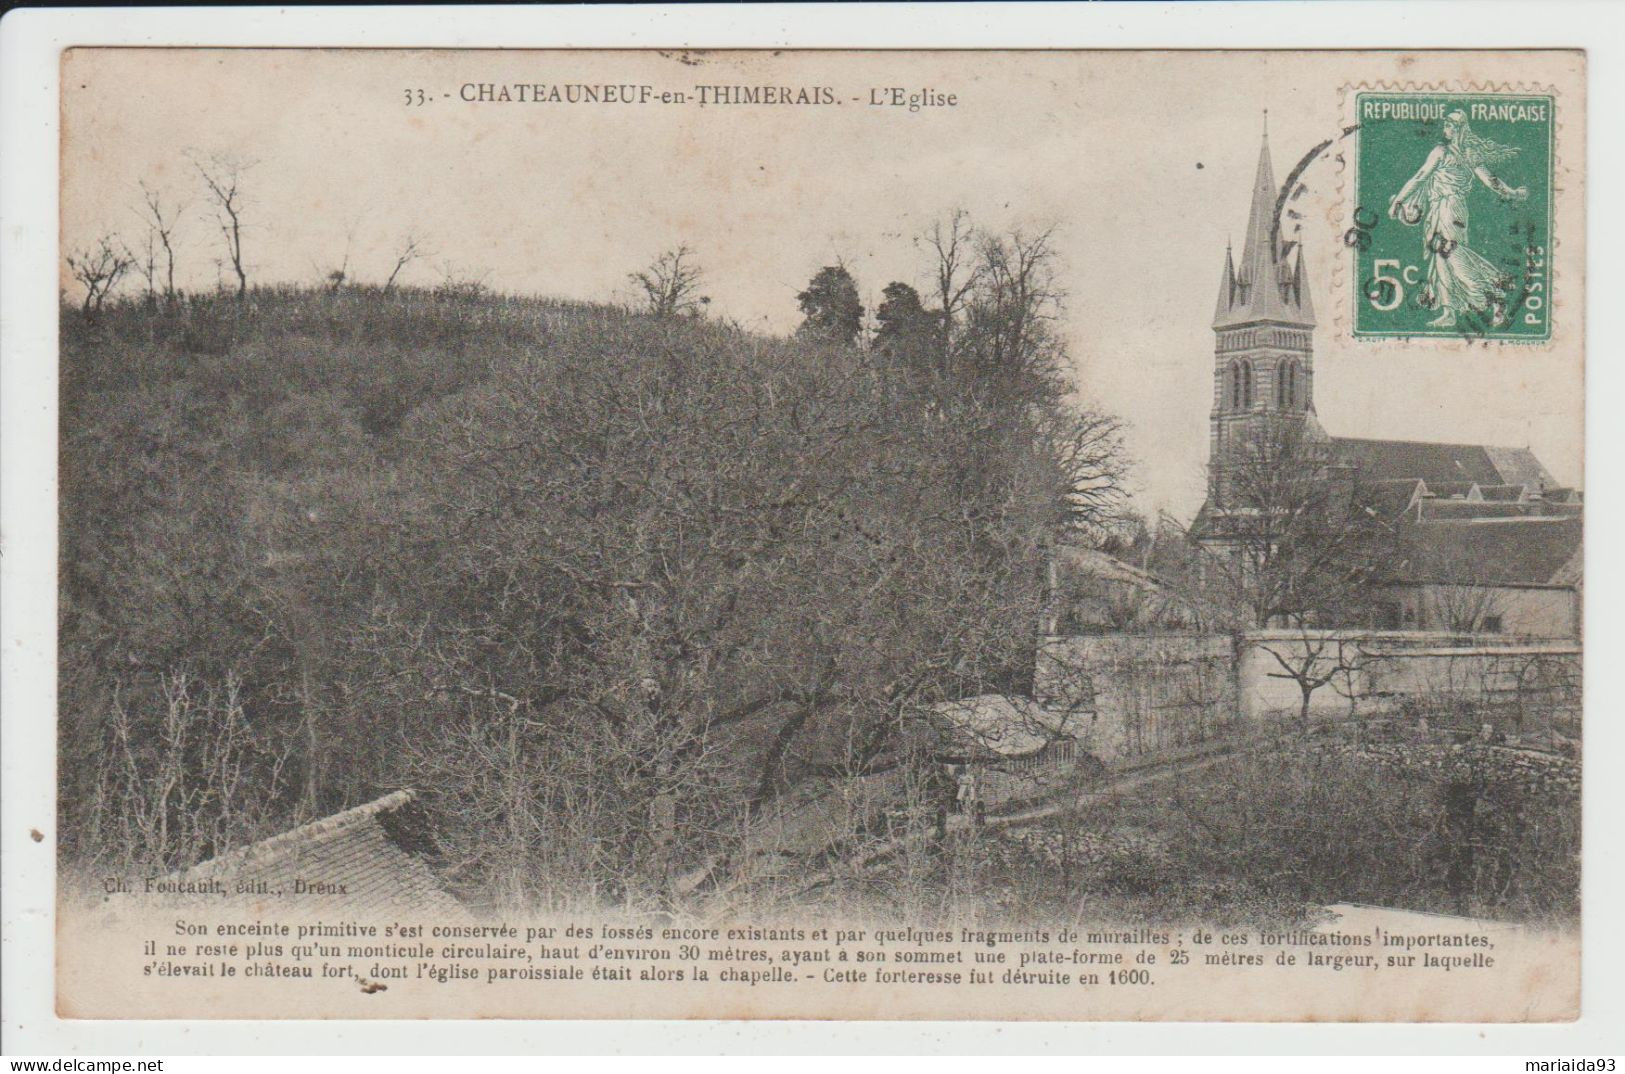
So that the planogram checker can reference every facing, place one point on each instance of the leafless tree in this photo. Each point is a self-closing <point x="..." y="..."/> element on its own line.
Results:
<point x="1460" y="599"/>
<point x="461" y="282"/>
<point x="671" y="284"/>
<point x="1086" y="455"/>
<point x="1298" y="548"/>
<point x="99" y="268"/>
<point x="411" y="249"/>
<point x="162" y="221"/>
<point x="223" y="177"/>
<point x="338" y="276"/>
<point x="1011" y="311"/>
<point x="145" y="262"/>
<point x="182" y="776"/>
<point x="1316" y="658"/>
<point x="955" y="273"/>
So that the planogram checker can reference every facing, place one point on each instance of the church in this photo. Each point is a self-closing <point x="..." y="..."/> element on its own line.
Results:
<point x="1486" y="540"/>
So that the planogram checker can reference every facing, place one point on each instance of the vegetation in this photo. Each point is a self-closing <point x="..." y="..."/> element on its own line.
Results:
<point x="604" y="585"/>
<point x="1261" y="841"/>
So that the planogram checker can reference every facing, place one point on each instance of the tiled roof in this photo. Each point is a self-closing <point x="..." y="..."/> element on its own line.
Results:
<point x="1540" y="550"/>
<point x="1007" y="726"/>
<point x="366" y="860"/>
<point x="1518" y="466"/>
<point x="1572" y="572"/>
<point x="1451" y="490"/>
<point x="1092" y="561"/>
<point x="1389" y="499"/>
<point x="1443" y="465"/>
<point x="1443" y="509"/>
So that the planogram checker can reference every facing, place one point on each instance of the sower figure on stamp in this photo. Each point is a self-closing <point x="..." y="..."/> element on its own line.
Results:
<point x="1459" y="279"/>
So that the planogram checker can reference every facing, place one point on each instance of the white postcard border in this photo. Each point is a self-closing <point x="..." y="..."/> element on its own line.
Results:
<point x="30" y="41"/>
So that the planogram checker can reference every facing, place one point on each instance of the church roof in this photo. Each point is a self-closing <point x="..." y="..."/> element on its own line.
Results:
<point x="1539" y="550"/>
<point x="1442" y="465"/>
<point x="1269" y="284"/>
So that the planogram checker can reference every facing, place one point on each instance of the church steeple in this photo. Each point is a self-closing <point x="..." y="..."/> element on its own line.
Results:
<point x="1263" y="325"/>
<point x="1265" y="286"/>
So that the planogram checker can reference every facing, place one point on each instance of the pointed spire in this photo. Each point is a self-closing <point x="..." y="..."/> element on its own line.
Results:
<point x="1300" y="291"/>
<point x="1227" y="287"/>
<point x="1266" y="286"/>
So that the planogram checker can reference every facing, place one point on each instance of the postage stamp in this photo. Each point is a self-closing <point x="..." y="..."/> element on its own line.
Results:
<point x="1452" y="218"/>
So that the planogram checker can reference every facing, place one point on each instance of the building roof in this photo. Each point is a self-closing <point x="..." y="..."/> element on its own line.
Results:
<point x="371" y="857"/>
<point x="1537" y="550"/>
<point x="1464" y="509"/>
<point x="1002" y="725"/>
<point x="1389" y="499"/>
<point x="1452" y="490"/>
<point x="1269" y="284"/>
<point x="1442" y="465"/>
<point x="1093" y="561"/>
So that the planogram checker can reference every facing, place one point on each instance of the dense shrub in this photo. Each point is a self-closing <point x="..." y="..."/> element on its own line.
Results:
<point x="601" y="585"/>
<point x="1265" y="839"/>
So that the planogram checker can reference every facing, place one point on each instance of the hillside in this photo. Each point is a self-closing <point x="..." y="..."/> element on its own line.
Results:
<point x="600" y="584"/>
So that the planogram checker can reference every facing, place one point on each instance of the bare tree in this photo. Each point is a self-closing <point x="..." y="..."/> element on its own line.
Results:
<point x="1460" y="599"/>
<point x="183" y="776"/>
<point x="1463" y="607"/>
<point x="410" y="250"/>
<point x="1316" y="658"/>
<point x="223" y="178"/>
<point x="955" y="270"/>
<point x="460" y="282"/>
<point x="1085" y="449"/>
<point x="99" y="269"/>
<point x="671" y="284"/>
<point x="337" y="277"/>
<point x="162" y="222"/>
<point x="145" y="262"/>
<point x="1297" y="547"/>
<point x="1013" y="351"/>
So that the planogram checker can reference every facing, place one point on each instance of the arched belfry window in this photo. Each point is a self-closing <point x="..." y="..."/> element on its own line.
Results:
<point x="1294" y="398"/>
<point x="1233" y="385"/>
<point x="1246" y="385"/>
<point x="1282" y="371"/>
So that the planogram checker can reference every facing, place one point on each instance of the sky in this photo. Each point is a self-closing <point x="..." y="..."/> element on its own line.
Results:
<point x="1142" y="161"/>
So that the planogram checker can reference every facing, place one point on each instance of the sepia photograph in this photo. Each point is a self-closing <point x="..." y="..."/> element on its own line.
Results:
<point x="820" y="534"/>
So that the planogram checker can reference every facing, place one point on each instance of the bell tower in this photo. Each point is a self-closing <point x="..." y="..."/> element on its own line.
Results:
<point x="1263" y="354"/>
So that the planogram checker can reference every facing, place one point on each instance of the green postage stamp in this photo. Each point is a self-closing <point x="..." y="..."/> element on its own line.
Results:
<point x="1452" y="216"/>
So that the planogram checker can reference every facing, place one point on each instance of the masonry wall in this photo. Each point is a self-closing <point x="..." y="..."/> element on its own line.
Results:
<point x="1530" y="611"/>
<point x="1503" y="679"/>
<point x="1136" y="697"/>
<point x="1139" y="696"/>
